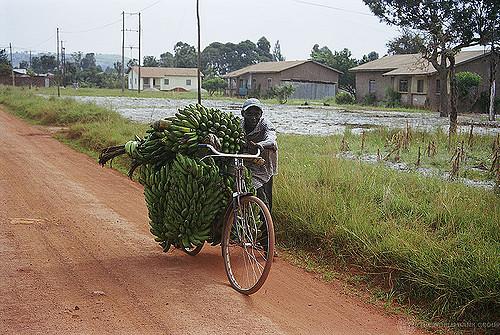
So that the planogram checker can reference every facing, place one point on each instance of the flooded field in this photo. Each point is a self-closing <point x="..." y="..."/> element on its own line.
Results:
<point x="315" y="120"/>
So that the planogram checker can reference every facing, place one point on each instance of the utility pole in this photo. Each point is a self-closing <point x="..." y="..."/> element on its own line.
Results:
<point x="58" y="69"/>
<point x="63" y="62"/>
<point x="30" y="60"/>
<point x="139" y="86"/>
<point x="122" y="72"/>
<point x="12" y="66"/>
<point x="493" y="67"/>
<point x="132" y="47"/>
<point x="199" y="52"/>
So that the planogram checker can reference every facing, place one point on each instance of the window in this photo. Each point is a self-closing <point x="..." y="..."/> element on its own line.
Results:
<point x="420" y="86"/>
<point x="371" y="86"/>
<point x="438" y="86"/>
<point x="254" y="83"/>
<point x="188" y="82"/>
<point x="269" y="82"/>
<point x="166" y="81"/>
<point x="403" y="85"/>
<point x="135" y="80"/>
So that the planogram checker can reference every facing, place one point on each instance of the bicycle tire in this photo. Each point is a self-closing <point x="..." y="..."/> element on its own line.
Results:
<point x="231" y="248"/>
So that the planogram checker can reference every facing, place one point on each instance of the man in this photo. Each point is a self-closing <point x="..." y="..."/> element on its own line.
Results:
<point x="260" y="133"/>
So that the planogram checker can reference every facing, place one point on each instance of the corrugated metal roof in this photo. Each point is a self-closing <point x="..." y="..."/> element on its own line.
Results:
<point x="271" y="67"/>
<point x="155" y="72"/>
<point x="411" y="64"/>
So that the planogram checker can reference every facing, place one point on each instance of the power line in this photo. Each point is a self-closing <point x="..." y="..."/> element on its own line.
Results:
<point x="332" y="7"/>
<point x="94" y="28"/>
<point x="149" y="6"/>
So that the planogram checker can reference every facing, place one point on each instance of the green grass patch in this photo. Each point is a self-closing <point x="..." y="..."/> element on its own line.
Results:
<point x="477" y="149"/>
<point x="439" y="242"/>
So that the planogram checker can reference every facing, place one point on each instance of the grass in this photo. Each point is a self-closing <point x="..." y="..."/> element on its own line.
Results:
<point x="423" y="240"/>
<point x="477" y="149"/>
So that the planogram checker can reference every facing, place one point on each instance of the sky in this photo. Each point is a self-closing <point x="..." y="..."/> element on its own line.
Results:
<point x="95" y="26"/>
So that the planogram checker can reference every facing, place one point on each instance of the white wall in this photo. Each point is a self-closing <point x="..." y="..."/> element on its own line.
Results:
<point x="132" y="81"/>
<point x="178" y="82"/>
<point x="173" y="82"/>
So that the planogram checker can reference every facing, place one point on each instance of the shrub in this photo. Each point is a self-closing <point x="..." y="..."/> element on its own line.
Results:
<point x="392" y="98"/>
<point x="282" y="93"/>
<point x="214" y="84"/>
<point x="370" y="99"/>
<point x="344" y="98"/>
<point x="467" y="90"/>
<point x="467" y="82"/>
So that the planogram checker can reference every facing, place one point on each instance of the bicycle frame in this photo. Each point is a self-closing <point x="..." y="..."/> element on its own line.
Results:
<point x="240" y="187"/>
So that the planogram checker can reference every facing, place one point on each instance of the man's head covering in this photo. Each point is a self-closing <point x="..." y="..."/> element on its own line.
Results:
<point x="251" y="103"/>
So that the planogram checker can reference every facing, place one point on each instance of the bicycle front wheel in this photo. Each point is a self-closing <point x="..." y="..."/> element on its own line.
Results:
<point x="248" y="245"/>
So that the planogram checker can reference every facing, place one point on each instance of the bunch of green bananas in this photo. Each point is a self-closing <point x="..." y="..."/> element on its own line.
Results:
<point x="195" y="198"/>
<point x="152" y="149"/>
<point x="185" y="197"/>
<point x="194" y="123"/>
<point x="156" y="184"/>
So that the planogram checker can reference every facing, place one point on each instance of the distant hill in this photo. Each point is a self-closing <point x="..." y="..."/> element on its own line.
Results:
<point x="104" y="60"/>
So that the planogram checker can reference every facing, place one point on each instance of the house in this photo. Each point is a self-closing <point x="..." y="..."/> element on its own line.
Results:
<point x="310" y="79"/>
<point x="22" y="78"/>
<point x="163" y="78"/>
<point x="415" y="78"/>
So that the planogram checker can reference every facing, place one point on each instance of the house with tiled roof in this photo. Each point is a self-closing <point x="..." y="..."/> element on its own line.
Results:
<point x="415" y="78"/>
<point x="163" y="78"/>
<point x="310" y="79"/>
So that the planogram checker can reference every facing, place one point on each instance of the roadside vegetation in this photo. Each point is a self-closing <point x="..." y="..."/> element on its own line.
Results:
<point x="464" y="155"/>
<point x="424" y="240"/>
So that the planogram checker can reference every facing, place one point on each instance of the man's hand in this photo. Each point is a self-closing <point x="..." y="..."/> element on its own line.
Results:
<point x="255" y="145"/>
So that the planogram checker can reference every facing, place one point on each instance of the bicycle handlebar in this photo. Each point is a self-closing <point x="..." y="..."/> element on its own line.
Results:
<point x="221" y="154"/>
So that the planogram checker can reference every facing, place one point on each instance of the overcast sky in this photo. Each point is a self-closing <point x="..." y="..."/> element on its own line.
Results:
<point x="297" y="24"/>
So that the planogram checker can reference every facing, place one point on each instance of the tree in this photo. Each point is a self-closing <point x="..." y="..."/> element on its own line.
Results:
<point x="264" y="50"/>
<point x="117" y="66"/>
<point x="277" y="56"/>
<point x="166" y="60"/>
<point x="340" y="60"/>
<point x="24" y="64"/>
<point x="214" y="59"/>
<point x="408" y="42"/>
<point x="219" y="58"/>
<point x="185" y="55"/>
<point x="5" y="68"/>
<point x="44" y="64"/>
<point x="150" y="61"/>
<point x="247" y="54"/>
<point x="214" y="84"/>
<point x="77" y="59"/>
<point x="446" y="26"/>
<point x="368" y="58"/>
<point x="88" y="61"/>
<point x="130" y="63"/>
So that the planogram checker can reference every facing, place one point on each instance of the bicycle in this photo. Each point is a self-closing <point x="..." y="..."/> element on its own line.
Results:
<point x="247" y="232"/>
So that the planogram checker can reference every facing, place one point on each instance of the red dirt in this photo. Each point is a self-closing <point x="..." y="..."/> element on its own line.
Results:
<point x="76" y="256"/>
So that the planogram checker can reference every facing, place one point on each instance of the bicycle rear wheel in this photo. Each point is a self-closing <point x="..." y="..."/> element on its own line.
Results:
<point x="248" y="245"/>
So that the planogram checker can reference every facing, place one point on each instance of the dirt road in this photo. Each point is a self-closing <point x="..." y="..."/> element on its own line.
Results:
<point x="76" y="257"/>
